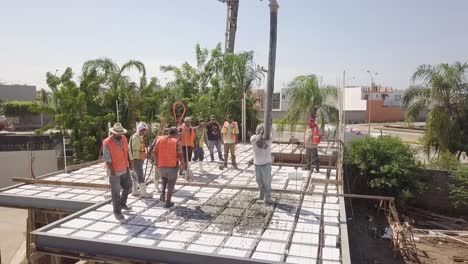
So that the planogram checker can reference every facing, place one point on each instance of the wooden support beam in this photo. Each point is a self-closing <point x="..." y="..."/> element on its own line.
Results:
<point x="208" y="185"/>
<point x="325" y="181"/>
<point x="62" y="183"/>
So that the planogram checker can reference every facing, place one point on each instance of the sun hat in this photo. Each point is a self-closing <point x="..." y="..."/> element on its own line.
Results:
<point x="188" y="119"/>
<point x="118" y="129"/>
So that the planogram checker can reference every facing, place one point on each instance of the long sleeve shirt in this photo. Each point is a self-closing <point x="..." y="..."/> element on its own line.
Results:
<point x="262" y="155"/>
<point x="137" y="148"/>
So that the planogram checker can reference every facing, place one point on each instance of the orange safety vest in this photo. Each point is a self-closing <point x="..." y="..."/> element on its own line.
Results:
<point x="166" y="151"/>
<point x="188" y="136"/>
<point x="119" y="155"/>
<point x="233" y="130"/>
<point x="315" y="135"/>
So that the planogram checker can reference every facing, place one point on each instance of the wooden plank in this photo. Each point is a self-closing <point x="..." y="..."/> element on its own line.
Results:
<point x="208" y="185"/>
<point x="326" y="181"/>
<point x="62" y="183"/>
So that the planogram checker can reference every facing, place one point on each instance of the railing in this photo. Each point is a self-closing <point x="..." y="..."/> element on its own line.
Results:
<point x="27" y="147"/>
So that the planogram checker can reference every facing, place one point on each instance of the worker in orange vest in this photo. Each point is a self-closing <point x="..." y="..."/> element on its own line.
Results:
<point x="167" y="155"/>
<point x="230" y="132"/>
<point x="187" y="138"/>
<point x="115" y="155"/>
<point x="312" y="139"/>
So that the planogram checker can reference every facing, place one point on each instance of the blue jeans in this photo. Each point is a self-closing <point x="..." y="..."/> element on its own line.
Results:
<point x="263" y="178"/>
<point x="198" y="154"/>
<point x="217" y="144"/>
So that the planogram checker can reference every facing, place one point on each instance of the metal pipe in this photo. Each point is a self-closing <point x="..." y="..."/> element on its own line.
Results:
<point x="271" y="68"/>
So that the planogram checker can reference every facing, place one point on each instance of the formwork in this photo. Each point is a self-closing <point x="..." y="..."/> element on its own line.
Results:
<point x="216" y="217"/>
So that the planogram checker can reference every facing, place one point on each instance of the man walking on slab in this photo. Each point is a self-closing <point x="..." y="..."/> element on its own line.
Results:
<point x="115" y="155"/>
<point x="167" y="155"/>
<point x="137" y="155"/>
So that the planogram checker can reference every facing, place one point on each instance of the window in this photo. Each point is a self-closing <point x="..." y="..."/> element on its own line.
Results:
<point x="397" y="97"/>
<point x="283" y="96"/>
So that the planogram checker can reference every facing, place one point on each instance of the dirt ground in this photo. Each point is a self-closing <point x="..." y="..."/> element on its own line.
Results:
<point x="439" y="251"/>
<point x="365" y="230"/>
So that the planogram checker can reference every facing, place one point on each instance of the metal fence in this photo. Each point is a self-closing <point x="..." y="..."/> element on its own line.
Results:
<point x="26" y="147"/>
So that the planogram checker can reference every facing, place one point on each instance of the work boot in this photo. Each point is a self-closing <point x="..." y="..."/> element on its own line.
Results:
<point x="162" y="197"/>
<point x="118" y="216"/>
<point x="168" y="201"/>
<point x="221" y="159"/>
<point x="200" y="166"/>
<point x="135" y="191"/>
<point x="144" y="194"/>
<point x="268" y="201"/>
<point x="235" y="166"/>
<point x="126" y="207"/>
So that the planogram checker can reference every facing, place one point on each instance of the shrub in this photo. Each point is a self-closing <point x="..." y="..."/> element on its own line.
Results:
<point x="386" y="166"/>
<point x="17" y="108"/>
<point x="459" y="190"/>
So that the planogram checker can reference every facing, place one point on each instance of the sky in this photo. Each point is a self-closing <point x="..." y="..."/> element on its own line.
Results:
<point x="390" y="38"/>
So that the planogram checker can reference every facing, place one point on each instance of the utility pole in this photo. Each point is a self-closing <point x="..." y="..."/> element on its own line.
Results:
<point x="369" y="99"/>
<point x="271" y="68"/>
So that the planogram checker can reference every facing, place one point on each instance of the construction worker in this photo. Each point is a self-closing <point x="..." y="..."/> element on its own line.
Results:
<point x="200" y="139"/>
<point x="312" y="139"/>
<point x="230" y="132"/>
<point x="115" y="155"/>
<point x="137" y="153"/>
<point x="156" y="171"/>
<point x="167" y="155"/>
<point x="213" y="133"/>
<point x="187" y="138"/>
<point x="262" y="161"/>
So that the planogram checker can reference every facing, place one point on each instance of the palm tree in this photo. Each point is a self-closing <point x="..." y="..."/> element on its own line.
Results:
<point x="310" y="99"/>
<point x="443" y="90"/>
<point x="119" y="86"/>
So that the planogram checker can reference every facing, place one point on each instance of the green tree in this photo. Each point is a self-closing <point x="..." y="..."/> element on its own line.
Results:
<point x="386" y="166"/>
<point x="215" y="85"/>
<point x="310" y="99"/>
<point x="78" y="111"/>
<point x="118" y="87"/>
<point x="442" y="90"/>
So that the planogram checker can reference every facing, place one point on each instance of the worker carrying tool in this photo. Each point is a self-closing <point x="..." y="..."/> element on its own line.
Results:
<point x="115" y="156"/>
<point x="167" y="156"/>
<point x="312" y="138"/>
<point x="137" y="153"/>
<point x="187" y="138"/>
<point x="230" y="132"/>
<point x="262" y="161"/>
